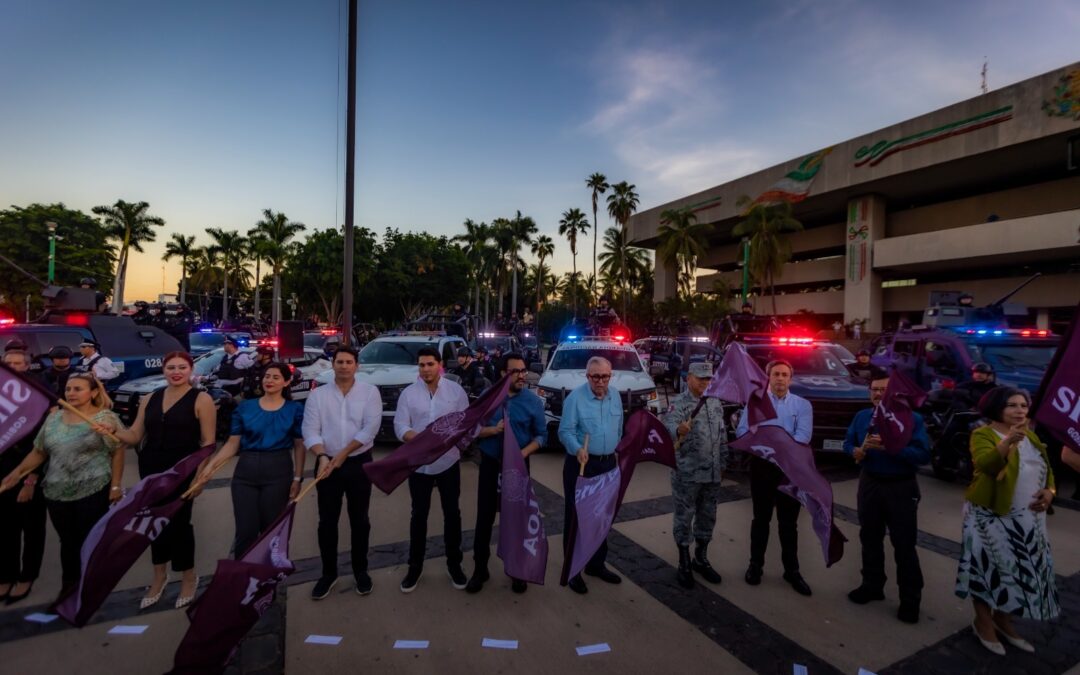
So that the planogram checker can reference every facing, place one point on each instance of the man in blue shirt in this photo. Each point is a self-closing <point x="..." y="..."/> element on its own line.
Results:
<point x="526" y="412"/>
<point x="595" y="410"/>
<point x="796" y="416"/>
<point x="888" y="499"/>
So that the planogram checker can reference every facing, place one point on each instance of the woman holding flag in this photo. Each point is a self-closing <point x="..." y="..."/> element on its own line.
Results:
<point x="263" y="432"/>
<point x="84" y="471"/>
<point x="175" y="422"/>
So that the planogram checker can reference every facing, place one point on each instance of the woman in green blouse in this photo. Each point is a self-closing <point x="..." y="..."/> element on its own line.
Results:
<point x="85" y="468"/>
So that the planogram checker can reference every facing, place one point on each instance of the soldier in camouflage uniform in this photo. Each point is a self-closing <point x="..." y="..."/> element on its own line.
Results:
<point x="695" y="484"/>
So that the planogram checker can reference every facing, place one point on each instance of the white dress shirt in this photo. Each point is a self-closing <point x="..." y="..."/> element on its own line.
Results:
<point x="104" y="369"/>
<point x="335" y="419"/>
<point x="417" y="407"/>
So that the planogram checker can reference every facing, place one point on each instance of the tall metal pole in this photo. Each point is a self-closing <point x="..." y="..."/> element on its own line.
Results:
<point x="350" y="160"/>
<point x="52" y="250"/>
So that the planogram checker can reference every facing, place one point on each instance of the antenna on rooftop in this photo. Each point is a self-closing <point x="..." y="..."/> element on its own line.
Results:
<point x="984" y="87"/>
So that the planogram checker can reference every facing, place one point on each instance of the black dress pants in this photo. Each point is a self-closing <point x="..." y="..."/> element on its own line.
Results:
<point x="420" y="487"/>
<point x="73" y="521"/>
<point x="22" y="530"/>
<point x="260" y="492"/>
<point x="890" y="503"/>
<point x="765" y="477"/>
<point x="487" y="505"/>
<point x="349" y="481"/>
<point x="596" y="465"/>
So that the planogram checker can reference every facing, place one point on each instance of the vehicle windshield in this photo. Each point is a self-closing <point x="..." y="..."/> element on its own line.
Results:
<point x="804" y="360"/>
<point x="318" y="340"/>
<point x="1014" y="357"/>
<point x="206" y="340"/>
<point x="392" y="353"/>
<point x="575" y="359"/>
<point x="205" y="364"/>
<point x="490" y="343"/>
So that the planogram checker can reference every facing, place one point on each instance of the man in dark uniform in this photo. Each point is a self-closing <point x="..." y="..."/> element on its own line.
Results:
<point x="264" y="356"/>
<point x="142" y="313"/>
<point x="180" y="326"/>
<point x="862" y="368"/>
<point x="56" y="376"/>
<point x="487" y="368"/>
<point x="967" y="394"/>
<point x="473" y="378"/>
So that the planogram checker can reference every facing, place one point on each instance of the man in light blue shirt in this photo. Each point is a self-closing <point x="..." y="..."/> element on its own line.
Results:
<point x="593" y="409"/>
<point x="796" y="416"/>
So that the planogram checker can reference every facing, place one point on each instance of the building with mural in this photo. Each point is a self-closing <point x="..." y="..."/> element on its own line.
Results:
<point x="974" y="197"/>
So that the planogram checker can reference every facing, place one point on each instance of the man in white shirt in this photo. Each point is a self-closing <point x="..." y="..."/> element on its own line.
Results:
<point x="420" y="404"/>
<point x="230" y="372"/>
<point x="341" y="420"/>
<point x="92" y="360"/>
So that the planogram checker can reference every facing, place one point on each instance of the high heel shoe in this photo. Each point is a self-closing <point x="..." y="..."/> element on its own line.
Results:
<point x="994" y="647"/>
<point x="151" y="600"/>
<point x="1018" y="642"/>
<point x="12" y="598"/>
<point x="185" y="600"/>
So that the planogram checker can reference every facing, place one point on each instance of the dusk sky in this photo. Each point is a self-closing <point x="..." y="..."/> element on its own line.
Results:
<point x="213" y="111"/>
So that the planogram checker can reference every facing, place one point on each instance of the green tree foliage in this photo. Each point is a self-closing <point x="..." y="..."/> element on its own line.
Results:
<point x="682" y="242"/>
<point x="572" y="225"/>
<point x="314" y="273"/>
<point x="81" y="251"/>
<point x="622" y="203"/>
<point x="767" y="226"/>
<point x="598" y="185"/>
<point x="129" y="224"/>
<point x="182" y="247"/>
<point x="416" y="272"/>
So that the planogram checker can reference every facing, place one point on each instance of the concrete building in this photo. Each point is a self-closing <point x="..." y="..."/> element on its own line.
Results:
<point x="976" y="196"/>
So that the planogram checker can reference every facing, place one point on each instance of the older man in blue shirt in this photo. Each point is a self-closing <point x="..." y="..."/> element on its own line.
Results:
<point x="526" y="413"/>
<point x="796" y="416"/>
<point x="595" y="410"/>
<point x="888" y="499"/>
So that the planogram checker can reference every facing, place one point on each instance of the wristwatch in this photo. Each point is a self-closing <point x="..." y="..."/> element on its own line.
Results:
<point x="30" y="481"/>
<point x="298" y="479"/>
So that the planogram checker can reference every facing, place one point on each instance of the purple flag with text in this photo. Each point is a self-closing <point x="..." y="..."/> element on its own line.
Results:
<point x="894" y="417"/>
<point x="240" y="592"/>
<point x="597" y="499"/>
<point x="454" y="429"/>
<point x="1057" y="404"/>
<point x="22" y="407"/>
<point x="123" y="534"/>
<point x="523" y="544"/>
<point x="739" y="379"/>
<point x="805" y="483"/>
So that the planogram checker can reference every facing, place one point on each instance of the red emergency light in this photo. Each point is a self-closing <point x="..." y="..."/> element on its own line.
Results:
<point x="77" y="319"/>
<point x="7" y="321"/>
<point x="792" y="340"/>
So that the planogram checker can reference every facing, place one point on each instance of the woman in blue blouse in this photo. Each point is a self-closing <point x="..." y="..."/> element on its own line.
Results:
<point x="263" y="432"/>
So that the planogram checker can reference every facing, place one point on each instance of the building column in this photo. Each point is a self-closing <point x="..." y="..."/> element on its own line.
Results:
<point x="862" y="285"/>
<point x="665" y="280"/>
<point x="1042" y="318"/>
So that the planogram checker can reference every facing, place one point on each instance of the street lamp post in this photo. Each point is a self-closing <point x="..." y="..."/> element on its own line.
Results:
<point x="52" y="250"/>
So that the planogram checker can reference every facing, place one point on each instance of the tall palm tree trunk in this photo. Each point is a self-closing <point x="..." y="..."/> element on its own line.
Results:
<point x="225" y="297"/>
<point x="257" y="304"/>
<point x="513" y="292"/>
<point x="118" y="285"/>
<point x="183" y="281"/>
<point x="622" y="259"/>
<point x="477" y="312"/>
<point x="573" y="289"/>
<point x="595" y="237"/>
<point x="276" y="306"/>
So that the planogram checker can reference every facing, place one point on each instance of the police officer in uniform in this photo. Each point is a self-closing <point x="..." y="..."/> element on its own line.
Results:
<point x="264" y="356"/>
<point x="56" y="376"/>
<point x="695" y="483"/>
<point x="967" y="394"/>
<point x="142" y="313"/>
<point x="862" y="368"/>
<point x="232" y="369"/>
<point x="603" y="316"/>
<point x="473" y="378"/>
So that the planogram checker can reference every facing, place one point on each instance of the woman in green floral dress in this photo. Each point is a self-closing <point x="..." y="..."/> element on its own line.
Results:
<point x="1005" y="566"/>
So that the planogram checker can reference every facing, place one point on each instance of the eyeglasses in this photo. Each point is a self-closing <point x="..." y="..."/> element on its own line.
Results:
<point x="599" y="378"/>
<point x="517" y="371"/>
<point x="878" y="390"/>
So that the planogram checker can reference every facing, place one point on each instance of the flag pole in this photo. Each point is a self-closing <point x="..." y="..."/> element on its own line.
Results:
<point x="86" y="418"/>
<point x="585" y="447"/>
<point x="303" y="493"/>
<point x="195" y="485"/>
<point x="697" y="409"/>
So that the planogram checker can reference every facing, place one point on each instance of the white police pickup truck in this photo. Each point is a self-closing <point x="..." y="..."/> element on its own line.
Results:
<point x="389" y="363"/>
<point x="566" y="372"/>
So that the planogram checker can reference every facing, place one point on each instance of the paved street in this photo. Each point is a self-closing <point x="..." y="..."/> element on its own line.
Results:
<point x="648" y="621"/>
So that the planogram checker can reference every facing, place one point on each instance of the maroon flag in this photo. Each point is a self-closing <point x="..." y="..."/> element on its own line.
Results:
<point x="122" y="534"/>
<point x="894" y="417"/>
<point x="22" y="407"/>
<point x="454" y="429"/>
<point x="597" y="499"/>
<point x="240" y="592"/>
<point x="739" y="379"/>
<point x="1058" y="401"/>
<point x="805" y="483"/>
<point x="523" y="545"/>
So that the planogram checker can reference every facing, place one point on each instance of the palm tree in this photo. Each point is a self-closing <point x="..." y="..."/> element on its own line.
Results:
<point x="522" y="228"/>
<point x="503" y="237"/>
<point x="766" y="225"/>
<point x="620" y="261"/>
<point x="476" y="240"/>
<point x="573" y="223"/>
<point x="278" y="231"/>
<point x="542" y="247"/>
<point x="183" y="247"/>
<point x="599" y="185"/>
<point x="206" y="275"/>
<point x="130" y="225"/>
<point x="256" y="249"/>
<point x="682" y="242"/>
<point x="622" y="203"/>
<point x="230" y="245"/>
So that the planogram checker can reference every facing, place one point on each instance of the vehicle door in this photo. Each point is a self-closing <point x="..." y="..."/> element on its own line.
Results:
<point x="905" y="357"/>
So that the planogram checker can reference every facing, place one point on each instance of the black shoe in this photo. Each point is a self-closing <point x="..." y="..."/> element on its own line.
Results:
<point x="753" y="575"/>
<point x="457" y="576"/>
<point x="408" y="584"/>
<point x="323" y="587"/>
<point x="797" y="582"/>
<point x="604" y="574"/>
<point x="863" y="595"/>
<point x="363" y="584"/>
<point x="908" y="612"/>
<point x="476" y="582"/>
<point x="700" y="563"/>
<point x="577" y="585"/>
<point x="519" y="586"/>
<point x="684" y="575"/>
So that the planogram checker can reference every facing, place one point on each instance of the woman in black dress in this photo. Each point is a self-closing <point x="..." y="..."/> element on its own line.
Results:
<point x="175" y="421"/>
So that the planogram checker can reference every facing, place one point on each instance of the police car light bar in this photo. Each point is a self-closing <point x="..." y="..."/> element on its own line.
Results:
<point x="1022" y="332"/>
<point x="699" y="339"/>
<point x="206" y="330"/>
<point x="784" y="340"/>
<point x="7" y="321"/>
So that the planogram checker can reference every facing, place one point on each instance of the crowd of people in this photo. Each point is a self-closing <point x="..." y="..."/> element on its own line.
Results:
<point x="72" y="469"/>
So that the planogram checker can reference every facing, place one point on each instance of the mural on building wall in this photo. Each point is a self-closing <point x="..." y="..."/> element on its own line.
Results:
<point x="858" y="232"/>
<point x="795" y="185"/>
<point x="873" y="155"/>
<point x="1065" y="101"/>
